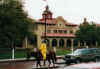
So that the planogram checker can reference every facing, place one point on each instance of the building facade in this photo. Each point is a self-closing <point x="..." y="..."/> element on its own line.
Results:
<point x="56" y="31"/>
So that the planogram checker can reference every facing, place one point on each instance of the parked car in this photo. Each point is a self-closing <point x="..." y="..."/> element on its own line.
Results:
<point x="84" y="66"/>
<point x="80" y="55"/>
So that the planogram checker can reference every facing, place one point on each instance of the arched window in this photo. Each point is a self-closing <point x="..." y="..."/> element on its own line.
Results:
<point x="68" y="43"/>
<point x="61" y="43"/>
<point x="54" y="42"/>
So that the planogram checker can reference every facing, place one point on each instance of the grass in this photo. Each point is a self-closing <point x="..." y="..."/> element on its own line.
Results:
<point x="7" y="53"/>
<point x="62" y="52"/>
<point x="21" y="53"/>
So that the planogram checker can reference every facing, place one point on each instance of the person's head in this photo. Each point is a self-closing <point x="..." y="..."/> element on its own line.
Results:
<point x="35" y="49"/>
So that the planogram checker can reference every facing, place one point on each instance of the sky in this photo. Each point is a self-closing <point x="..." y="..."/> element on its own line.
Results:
<point x="73" y="11"/>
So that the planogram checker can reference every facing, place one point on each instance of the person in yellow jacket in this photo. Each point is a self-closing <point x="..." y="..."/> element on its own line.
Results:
<point x="43" y="49"/>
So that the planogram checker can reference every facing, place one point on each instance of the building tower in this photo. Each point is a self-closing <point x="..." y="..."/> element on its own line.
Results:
<point x="85" y="22"/>
<point x="48" y="14"/>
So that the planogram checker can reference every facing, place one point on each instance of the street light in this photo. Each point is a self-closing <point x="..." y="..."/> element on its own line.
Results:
<point x="45" y="16"/>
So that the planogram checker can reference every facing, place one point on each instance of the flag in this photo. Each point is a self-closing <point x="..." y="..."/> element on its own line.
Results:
<point x="43" y="50"/>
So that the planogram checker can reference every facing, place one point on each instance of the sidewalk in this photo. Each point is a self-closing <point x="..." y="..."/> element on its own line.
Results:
<point x="16" y="60"/>
<point x="22" y="59"/>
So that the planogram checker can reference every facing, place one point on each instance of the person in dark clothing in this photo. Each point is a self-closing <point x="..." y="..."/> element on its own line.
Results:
<point x="48" y="58"/>
<point x="38" y="58"/>
<point x="28" y="54"/>
<point x="52" y="56"/>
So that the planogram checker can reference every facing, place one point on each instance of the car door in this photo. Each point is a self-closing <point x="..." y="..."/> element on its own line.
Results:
<point x="87" y="54"/>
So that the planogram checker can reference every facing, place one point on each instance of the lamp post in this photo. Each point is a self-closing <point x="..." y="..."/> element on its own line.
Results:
<point x="45" y="15"/>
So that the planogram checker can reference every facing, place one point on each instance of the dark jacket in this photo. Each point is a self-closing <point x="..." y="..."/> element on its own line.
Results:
<point x="53" y="55"/>
<point x="38" y="55"/>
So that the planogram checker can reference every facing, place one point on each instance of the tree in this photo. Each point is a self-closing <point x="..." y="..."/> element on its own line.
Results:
<point x="32" y="38"/>
<point x="13" y="23"/>
<point x="88" y="34"/>
<point x="98" y="34"/>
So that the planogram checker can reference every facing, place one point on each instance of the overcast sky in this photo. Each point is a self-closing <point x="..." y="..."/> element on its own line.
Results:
<point x="72" y="10"/>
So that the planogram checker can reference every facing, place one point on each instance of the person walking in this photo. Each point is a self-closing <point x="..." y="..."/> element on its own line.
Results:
<point x="48" y="59"/>
<point x="28" y="54"/>
<point x="38" y="58"/>
<point x="52" y="55"/>
<point x="43" y="50"/>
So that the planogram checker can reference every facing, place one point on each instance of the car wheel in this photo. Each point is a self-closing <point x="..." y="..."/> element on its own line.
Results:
<point x="68" y="62"/>
<point x="97" y="59"/>
<point x="78" y="60"/>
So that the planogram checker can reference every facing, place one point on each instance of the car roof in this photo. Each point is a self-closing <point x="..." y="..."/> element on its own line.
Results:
<point x="87" y="48"/>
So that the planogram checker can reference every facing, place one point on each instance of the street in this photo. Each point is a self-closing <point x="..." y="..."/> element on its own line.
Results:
<point x="30" y="65"/>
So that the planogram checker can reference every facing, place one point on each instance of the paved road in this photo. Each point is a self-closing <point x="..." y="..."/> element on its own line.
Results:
<point x="29" y="65"/>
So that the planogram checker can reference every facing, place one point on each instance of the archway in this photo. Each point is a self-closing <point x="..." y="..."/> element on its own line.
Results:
<point x="61" y="43"/>
<point x="69" y="43"/>
<point x="75" y="43"/>
<point x="54" y="43"/>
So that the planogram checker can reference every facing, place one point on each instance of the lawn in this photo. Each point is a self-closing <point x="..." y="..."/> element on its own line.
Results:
<point x="21" y="53"/>
<point x="61" y="52"/>
<point x="7" y="53"/>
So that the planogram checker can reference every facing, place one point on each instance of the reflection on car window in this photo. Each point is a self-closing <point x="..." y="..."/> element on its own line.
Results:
<point x="82" y="51"/>
<point x="78" y="51"/>
<point x="86" y="51"/>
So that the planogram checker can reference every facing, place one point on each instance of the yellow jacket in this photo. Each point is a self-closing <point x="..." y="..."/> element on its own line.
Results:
<point x="43" y="50"/>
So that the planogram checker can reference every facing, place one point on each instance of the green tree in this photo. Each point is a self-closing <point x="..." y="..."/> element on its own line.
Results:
<point x="13" y="23"/>
<point x="98" y="34"/>
<point x="32" y="38"/>
<point x="88" y="34"/>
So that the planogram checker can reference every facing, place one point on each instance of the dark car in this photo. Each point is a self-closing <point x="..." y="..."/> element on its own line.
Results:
<point x="84" y="66"/>
<point x="85" y="54"/>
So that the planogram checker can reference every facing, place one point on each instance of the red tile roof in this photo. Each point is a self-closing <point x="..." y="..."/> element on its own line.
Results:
<point x="59" y="35"/>
<point x="54" y="21"/>
<point x="57" y="28"/>
<point x="48" y="21"/>
<point x="98" y="25"/>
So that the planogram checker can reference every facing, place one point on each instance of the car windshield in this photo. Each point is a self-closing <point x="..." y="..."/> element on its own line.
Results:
<point x="81" y="51"/>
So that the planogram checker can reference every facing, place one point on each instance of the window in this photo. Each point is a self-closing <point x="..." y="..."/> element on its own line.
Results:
<point x="49" y="16"/>
<point x="71" y="32"/>
<point x="55" y="31"/>
<point x="65" y="31"/>
<point x="60" y="31"/>
<point x="35" y="27"/>
<point x="48" y="31"/>
<point x="59" y="25"/>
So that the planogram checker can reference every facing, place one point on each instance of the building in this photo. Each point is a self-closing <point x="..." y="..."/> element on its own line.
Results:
<point x="58" y="33"/>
